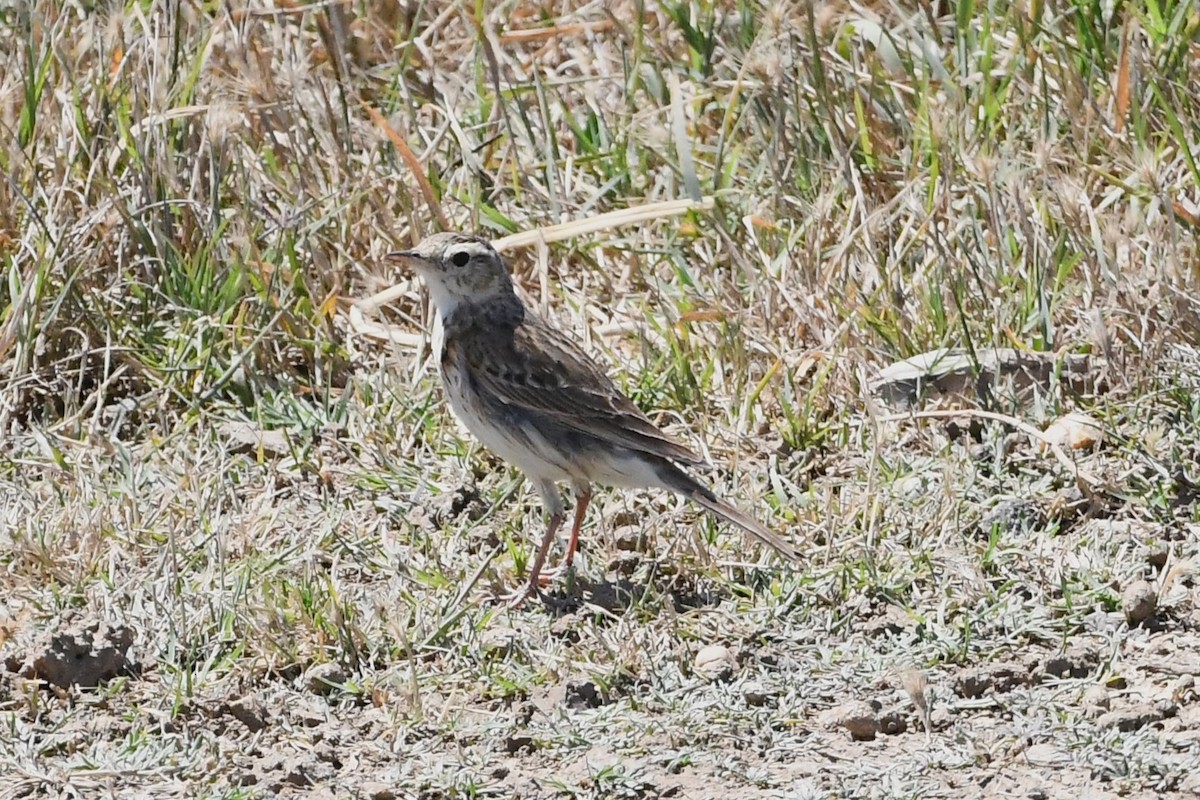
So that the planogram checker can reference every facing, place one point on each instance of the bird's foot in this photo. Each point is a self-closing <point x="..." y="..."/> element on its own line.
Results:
<point x="533" y="588"/>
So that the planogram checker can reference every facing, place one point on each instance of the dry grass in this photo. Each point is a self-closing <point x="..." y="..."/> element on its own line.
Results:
<point x="201" y="448"/>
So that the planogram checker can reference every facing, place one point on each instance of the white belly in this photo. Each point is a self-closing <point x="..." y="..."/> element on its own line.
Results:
<point x="515" y="439"/>
<point x="520" y="445"/>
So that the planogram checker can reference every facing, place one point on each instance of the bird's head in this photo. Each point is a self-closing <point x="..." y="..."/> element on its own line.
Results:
<point x="457" y="268"/>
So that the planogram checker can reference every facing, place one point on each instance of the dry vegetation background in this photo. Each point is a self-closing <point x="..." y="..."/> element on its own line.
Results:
<point x="245" y="551"/>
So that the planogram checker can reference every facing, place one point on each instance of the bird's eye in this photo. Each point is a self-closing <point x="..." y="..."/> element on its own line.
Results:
<point x="460" y="258"/>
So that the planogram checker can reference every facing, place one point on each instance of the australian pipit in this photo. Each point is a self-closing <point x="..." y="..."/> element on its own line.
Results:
<point x="536" y="399"/>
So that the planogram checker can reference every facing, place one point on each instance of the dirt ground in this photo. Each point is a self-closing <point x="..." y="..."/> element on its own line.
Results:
<point x="271" y="643"/>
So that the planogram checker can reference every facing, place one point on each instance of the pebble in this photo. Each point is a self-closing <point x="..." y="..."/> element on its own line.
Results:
<point x="715" y="662"/>
<point x="1139" y="602"/>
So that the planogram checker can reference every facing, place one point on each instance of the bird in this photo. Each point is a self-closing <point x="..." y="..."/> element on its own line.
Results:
<point x="533" y="397"/>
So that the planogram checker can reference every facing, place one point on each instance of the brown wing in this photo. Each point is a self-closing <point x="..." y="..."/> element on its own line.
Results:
<point x="541" y="371"/>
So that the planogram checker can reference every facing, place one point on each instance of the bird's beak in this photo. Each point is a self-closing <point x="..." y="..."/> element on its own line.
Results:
<point x="405" y="258"/>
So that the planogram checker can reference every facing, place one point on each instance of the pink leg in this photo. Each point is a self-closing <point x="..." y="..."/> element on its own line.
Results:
<point x="581" y="503"/>
<point x="535" y="572"/>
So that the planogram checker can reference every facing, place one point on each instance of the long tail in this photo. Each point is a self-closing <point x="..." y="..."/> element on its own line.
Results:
<point x="679" y="481"/>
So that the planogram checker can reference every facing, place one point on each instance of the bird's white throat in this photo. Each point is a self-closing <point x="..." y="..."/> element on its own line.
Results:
<point x="445" y="299"/>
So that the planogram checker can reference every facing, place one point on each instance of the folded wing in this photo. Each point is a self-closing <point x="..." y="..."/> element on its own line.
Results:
<point x="543" y="373"/>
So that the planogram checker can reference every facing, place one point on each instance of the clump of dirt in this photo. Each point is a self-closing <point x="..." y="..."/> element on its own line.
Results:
<point x="1000" y="677"/>
<point x="85" y="654"/>
<point x="1079" y="660"/>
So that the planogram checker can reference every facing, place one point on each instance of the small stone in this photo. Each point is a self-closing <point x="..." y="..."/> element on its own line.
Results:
<point x="374" y="790"/>
<point x="625" y="519"/>
<point x="892" y="723"/>
<point x="857" y="717"/>
<point x="583" y="694"/>
<point x="249" y="711"/>
<point x="1167" y="707"/>
<point x="1078" y="661"/>
<point x="624" y="564"/>
<point x="999" y="678"/>
<point x="631" y="539"/>
<point x="244" y="779"/>
<point x="325" y="679"/>
<point x="518" y="742"/>
<point x="1139" y="601"/>
<point x="715" y="662"/>
<point x="1131" y="718"/>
